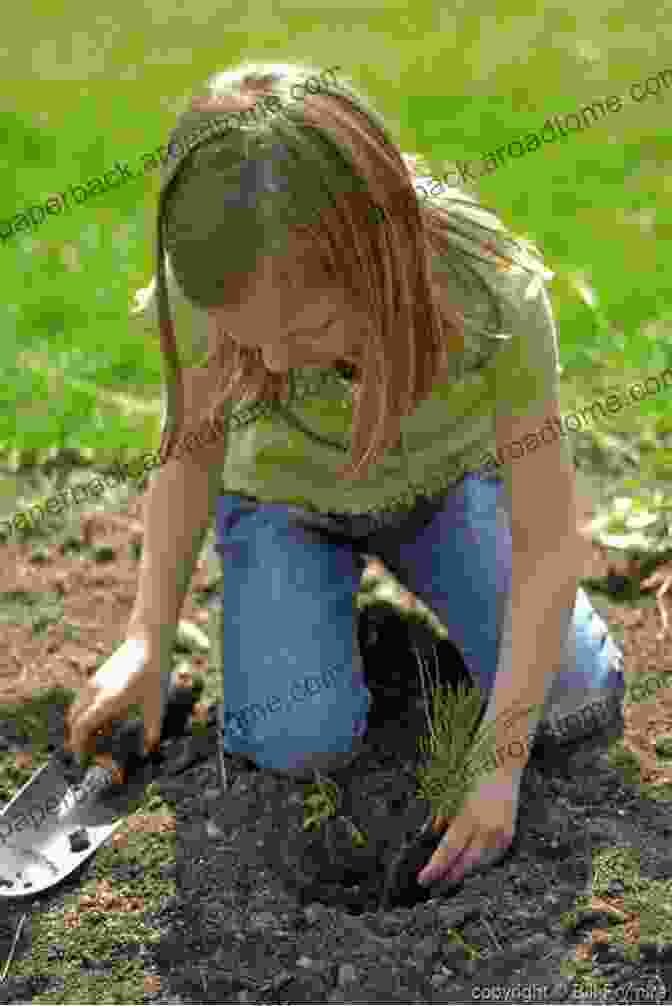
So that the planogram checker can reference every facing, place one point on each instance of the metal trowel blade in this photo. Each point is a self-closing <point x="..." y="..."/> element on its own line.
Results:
<point x="36" y="825"/>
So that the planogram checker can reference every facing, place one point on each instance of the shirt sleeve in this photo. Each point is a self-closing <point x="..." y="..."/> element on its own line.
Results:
<point x="526" y="370"/>
<point x="190" y="323"/>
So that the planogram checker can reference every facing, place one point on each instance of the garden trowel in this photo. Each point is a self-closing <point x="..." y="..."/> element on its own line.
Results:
<point x="64" y="812"/>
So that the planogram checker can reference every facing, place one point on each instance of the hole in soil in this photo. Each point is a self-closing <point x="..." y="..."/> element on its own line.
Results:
<point x="401" y="886"/>
<point x="382" y="885"/>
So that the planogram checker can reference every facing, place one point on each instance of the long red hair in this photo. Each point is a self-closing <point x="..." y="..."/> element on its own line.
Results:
<point x="372" y="232"/>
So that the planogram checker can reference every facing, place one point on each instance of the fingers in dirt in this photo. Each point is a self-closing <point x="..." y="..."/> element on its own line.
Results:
<point x="445" y="862"/>
<point x="90" y="716"/>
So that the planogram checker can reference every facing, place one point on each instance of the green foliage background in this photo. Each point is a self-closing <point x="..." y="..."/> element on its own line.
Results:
<point x="86" y="89"/>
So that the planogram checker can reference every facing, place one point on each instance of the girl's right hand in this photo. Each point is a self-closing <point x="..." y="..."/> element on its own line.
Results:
<point x="127" y="678"/>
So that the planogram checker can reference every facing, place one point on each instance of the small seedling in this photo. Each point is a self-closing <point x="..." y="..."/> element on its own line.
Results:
<point x="323" y="805"/>
<point x="358" y="837"/>
<point x="456" y="938"/>
<point x="459" y="750"/>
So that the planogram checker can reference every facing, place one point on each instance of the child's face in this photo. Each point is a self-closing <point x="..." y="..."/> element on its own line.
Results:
<point x="295" y="319"/>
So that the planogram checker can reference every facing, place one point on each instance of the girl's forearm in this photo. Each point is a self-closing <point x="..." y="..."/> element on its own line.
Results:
<point x="536" y="626"/>
<point x="178" y="509"/>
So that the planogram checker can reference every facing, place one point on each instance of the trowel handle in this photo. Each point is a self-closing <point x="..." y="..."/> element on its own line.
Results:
<point x="181" y="690"/>
<point x="180" y="693"/>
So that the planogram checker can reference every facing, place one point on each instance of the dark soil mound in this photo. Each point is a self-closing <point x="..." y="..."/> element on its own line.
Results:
<point x="269" y="912"/>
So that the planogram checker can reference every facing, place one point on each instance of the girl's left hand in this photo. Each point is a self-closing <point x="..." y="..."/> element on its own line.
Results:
<point x="480" y="834"/>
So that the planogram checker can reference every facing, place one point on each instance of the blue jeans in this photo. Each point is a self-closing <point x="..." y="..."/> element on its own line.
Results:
<point x="295" y="696"/>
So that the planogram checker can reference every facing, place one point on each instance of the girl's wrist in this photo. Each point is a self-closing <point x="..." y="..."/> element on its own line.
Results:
<point x="505" y="751"/>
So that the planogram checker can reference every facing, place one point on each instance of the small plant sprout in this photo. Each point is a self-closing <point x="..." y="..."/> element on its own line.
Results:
<point x="321" y="803"/>
<point x="456" y="938"/>
<point x="324" y="804"/>
<point x="455" y="758"/>
<point x="358" y="837"/>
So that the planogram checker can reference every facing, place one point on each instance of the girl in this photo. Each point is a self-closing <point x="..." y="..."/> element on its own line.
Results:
<point x="327" y="315"/>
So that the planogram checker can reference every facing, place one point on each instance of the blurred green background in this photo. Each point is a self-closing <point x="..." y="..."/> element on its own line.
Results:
<point x="84" y="90"/>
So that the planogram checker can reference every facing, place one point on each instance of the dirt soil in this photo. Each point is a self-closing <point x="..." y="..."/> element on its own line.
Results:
<point x="213" y="897"/>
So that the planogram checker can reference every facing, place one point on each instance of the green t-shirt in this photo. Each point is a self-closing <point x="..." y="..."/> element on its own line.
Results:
<point x="291" y="454"/>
